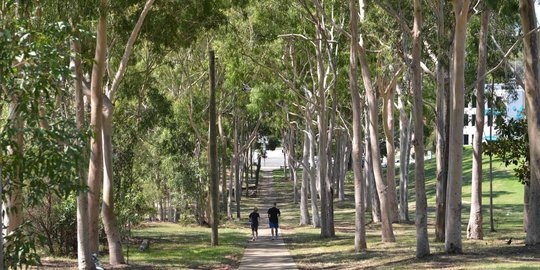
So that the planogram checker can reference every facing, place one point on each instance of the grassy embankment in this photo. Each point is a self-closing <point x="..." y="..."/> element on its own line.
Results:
<point x="312" y="252"/>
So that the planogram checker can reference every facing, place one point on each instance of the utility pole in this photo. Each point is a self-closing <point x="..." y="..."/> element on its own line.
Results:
<point x="212" y="152"/>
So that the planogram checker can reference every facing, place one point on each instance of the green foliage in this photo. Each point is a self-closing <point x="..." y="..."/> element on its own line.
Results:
<point x="34" y="73"/>
<point x="512" y="146"/>
<point x="21" y="246"/>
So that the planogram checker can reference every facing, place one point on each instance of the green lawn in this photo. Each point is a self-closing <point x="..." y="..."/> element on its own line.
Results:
<point x="310" y="251"/>
<point x="176" y="246"/>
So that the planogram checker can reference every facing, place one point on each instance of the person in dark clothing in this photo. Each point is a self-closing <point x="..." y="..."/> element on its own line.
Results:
<point x="254" y="218"/>
<point x="273" y="214"/>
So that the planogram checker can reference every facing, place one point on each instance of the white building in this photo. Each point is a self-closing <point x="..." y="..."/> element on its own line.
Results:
<point x="513" y="98"/>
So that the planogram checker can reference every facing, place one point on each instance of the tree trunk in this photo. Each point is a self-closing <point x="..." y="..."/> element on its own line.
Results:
<point x="452" y="242"/>
<point x="304" y="207"/>
<point x="404" y="145"/>
<point x="357" y="107"/>
<point x="237" y="176"/>
<point x="532" y="94"/>
<point x="316" y="221"/>
<point x="387" y="231"/>
<point x="109" y="219"/>
<point x="388" y="127"/>
<point x="14" y="205"/>
<point x="83" y="248"/>
<point x="223" y="139"/>
<point x="443" y="122"/>
<point x="213" y="155"/>
<point x="230" y="194"/>
<point x="526" y="196"/>
<point x="326" y="195"/>
<point x="370" y="180"/>
<point x="95" y="170"/>
<point x="474" y="228"/>
<point x="422" y="242"/>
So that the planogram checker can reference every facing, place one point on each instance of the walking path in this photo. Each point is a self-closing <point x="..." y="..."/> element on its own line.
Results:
<point x="266" y="253"/>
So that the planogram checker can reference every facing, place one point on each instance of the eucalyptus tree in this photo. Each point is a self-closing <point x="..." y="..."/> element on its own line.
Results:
<point x="532" y="94"/>
<point x="359" y="182"/>
<point x="387" y="231"/>
<point x="474" y="228"/>
<point x="422" y="242"/>
<point x="453" y="243"/>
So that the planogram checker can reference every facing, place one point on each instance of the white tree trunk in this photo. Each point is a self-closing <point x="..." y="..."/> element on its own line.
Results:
<point x="453" y="242"/>
<point x="109" y="218"/>
<point x="304" y="207"/>
<point x="404" y="146"/>
<point x="95" y="171"/>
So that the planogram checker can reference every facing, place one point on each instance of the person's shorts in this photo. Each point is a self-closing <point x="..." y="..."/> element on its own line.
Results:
<point x="273" y="224"/>
<point x="254" y="227"/>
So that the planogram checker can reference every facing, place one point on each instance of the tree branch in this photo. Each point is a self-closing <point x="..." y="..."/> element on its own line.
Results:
<point x="127" y="52"/>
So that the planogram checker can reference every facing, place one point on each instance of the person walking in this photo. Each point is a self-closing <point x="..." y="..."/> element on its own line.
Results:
<point x="254" y="219"/>
<point x="273" y="219"/>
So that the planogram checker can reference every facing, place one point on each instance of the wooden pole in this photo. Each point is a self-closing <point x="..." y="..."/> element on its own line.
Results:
<point x="212" y="152"/>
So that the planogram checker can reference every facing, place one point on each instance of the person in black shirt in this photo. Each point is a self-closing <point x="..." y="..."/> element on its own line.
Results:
<point x="273" y="214"/>
<point x="254" y="218"/>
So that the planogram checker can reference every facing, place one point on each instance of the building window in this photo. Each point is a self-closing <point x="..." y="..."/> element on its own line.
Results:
<point x="465" y="120"/>
<point x="473" y="101"/>
<point x="465" y="139"/>
<point x="473" y="120"/>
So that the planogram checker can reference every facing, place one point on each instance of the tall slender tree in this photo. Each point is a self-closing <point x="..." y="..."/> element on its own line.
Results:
<point x="453" y="242"/>
<point x="532" y="94"/>
<point x="95" y="170"/>
<point x="357" y="108"/>
<point x="422" y="242"/>
<point x="387" y="231"/>
<point x="474" y="228"/>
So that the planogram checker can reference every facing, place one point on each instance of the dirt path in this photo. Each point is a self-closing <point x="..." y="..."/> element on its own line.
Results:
<point x="266" y="253"/>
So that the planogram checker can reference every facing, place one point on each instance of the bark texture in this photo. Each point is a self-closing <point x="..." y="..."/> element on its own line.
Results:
<point x="116" y="256"/>
<point x="359" y="182"/>
<point x="422" y="242"/>
<point x="95" y="170"/>
<point x="443" y="121"/>
<point x="213" y="155"/>
<point x="453" y="243"/>
<point x="532" y="94"/>
<point x="474" y="228"/>
<point x="304" y="194"/>
<point x="387" y="231"/>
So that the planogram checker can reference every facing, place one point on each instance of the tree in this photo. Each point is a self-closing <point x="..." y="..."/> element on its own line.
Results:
<point x="422" y="242"/>
<point x="95" y="170"/>
<point x="452" y="242"/>
<point x="532" y="94"/>
<point x="474" y="228"/>
<point x="387" y="231"/>
<point x="357" y="108"/>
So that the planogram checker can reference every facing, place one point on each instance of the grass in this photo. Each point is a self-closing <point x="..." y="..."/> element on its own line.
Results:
<point x="175" y="246"/>
<point x="310" y="251"/>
